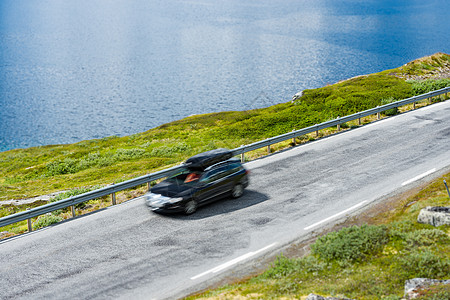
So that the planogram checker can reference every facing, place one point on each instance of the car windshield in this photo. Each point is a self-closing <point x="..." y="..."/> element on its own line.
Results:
<point x="185" y="176"/>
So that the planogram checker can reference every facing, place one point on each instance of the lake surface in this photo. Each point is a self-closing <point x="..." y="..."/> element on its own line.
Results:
<point x="76" y="70"/>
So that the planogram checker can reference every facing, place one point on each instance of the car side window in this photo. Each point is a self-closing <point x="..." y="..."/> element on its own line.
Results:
<point x="235" y="167"/>
<point x="214" y="174"/>
<point x="230" y="169"/>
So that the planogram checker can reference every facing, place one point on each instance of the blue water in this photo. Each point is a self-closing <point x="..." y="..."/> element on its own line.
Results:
<point x="76" y="70"/>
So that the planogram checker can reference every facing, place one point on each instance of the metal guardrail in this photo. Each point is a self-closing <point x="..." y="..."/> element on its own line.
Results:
<point x="112" y="189"/>
<point x="336" y="122"/>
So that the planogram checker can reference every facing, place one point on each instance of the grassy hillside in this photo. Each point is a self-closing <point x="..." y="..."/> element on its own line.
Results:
<point x="26" y="173"/>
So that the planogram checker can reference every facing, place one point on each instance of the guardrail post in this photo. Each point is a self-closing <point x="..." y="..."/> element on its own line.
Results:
<point x="113" y="197"/>
<point x="378" y="115"/>
<point x="148" y="186"/>
<point x="448" y="192"/>
<point x="30" y="228"/>
<point x="293" y="139"/>
<point x="317" y="132"/>
<point x="359" y="121"/>
<point x="338" y="125"/>
<point x="242" y="156"/>
<point x="414" y="105"/>
<point x="74" y="213"/>
<point x="268" y="149"/>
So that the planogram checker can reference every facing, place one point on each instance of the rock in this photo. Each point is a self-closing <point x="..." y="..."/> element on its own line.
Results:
<point x="314" y="297"/>
<point x="18" y="202"/>
<point x="415" y="284"/>
<point x="297" y="96"/>
<point x="318" y="297"/>
<point x="435" y="216"/>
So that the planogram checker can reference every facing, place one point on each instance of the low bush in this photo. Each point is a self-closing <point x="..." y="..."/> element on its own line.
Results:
<point x="46" y="220"/>
<point x="284" y="267"/>
<point x="129" y="154"/>
<point x="424" y="263"/>
<point x="351" y="244"/>
<point x="426" y="237"/>
<point x="392" y="111"/>
<point x="61" y="167"/>
<point x="73" y="192"/>
<point x="169" y="150"/>
<point x="424" y="86"/>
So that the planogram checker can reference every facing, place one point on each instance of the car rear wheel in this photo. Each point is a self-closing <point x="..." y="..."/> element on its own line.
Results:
<point x="190" y="207"/>
<point x="237" y="191"/>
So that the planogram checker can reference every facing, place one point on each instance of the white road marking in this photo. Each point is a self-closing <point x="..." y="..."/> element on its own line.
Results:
<point x="419" y="177"/>
<point x="336" y="215"/>
<point x="233" y="262"/>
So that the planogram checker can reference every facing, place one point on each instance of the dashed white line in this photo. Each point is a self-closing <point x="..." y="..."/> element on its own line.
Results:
<point x="419" y="177"/>
<point x="233" y="262"/>
<point x="336" y="215"/>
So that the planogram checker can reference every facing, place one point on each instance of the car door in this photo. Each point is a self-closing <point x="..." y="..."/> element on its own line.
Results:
<point x="213" y="184"/>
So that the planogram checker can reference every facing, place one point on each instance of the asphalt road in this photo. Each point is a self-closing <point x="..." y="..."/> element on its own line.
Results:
<point x="126" y="251"/>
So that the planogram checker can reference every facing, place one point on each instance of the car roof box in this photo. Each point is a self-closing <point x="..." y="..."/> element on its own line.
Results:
<point x="209" y="158"/>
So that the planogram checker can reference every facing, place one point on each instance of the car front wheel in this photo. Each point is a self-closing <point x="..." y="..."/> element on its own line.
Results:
<point x="237" y="191"/>
<point x="190" y="207"/>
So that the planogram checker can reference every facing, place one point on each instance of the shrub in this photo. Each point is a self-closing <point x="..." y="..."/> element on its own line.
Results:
<point x="305" y="266"/>
<point x="391" y="297"/>
<point x="105" y="161"/>
<point x="425" y="263"/>
<point x="170" y="150"/>
<point x="426" y="237"/>
<point x="392" y="111"/>
<point x="401" y="228"/>
<point x="351" y="244"/>
<point x="345" y="126"/>
<point x="66" y="166"/>
<point x="128" y="154"/>
<point x="74" y="192"/>
<point x="46" y="220"/>
<point x="282" y="267"/>
<point x="91" y="160"/>
<point x="425" y="86"/>
<point x="145" y="145"/>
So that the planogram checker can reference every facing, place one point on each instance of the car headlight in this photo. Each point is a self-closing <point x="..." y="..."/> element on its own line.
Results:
<point x="153" y="197"/>
<point x="175" y="200"/>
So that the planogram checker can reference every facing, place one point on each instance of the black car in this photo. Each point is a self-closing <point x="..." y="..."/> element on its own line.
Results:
<point x="204" y="178"/>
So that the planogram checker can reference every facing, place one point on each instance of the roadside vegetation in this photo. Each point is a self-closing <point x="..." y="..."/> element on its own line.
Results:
<point x="371" y="260"/>
<point x="26" y="173"/>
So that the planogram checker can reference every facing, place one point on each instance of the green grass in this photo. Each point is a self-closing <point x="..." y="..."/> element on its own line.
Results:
<point x="361" y="262"/>
<point x="35" y="171"/>
<point x="425" y="86"/>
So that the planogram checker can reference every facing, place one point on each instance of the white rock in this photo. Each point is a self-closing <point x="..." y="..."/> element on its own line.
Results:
<point x="434" y="215"/>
